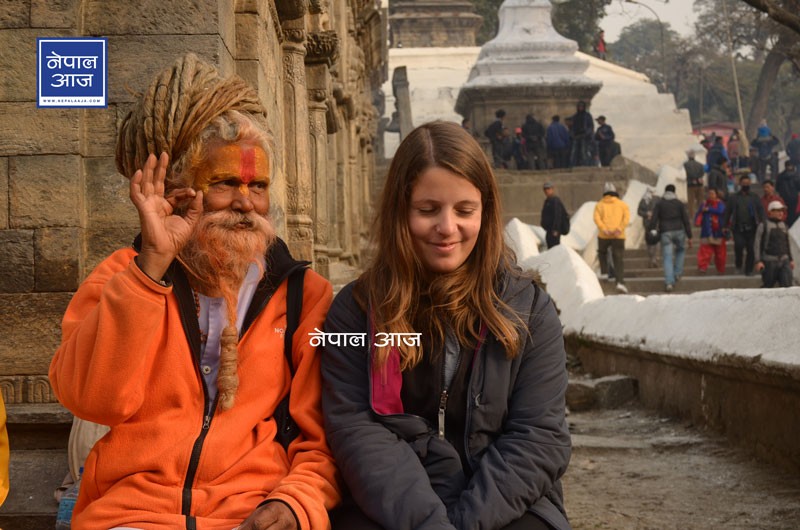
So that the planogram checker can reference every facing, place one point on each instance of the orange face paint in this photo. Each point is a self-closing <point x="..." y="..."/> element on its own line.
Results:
<point x="240" y="163"/>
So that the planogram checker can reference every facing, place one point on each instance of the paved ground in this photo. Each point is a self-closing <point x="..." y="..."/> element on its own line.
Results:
<point x="631" y="469"/>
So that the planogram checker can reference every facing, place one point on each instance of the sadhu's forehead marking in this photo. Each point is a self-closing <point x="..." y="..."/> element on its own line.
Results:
<point x="247" y="170"/>
<point x="244" y="162"/>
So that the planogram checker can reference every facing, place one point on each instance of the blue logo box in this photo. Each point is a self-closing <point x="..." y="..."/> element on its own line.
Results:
<point x="72" y="72"/>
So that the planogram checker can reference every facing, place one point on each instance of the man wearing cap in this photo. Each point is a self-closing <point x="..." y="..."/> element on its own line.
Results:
<point x="773" y="253"/>
<point x="605" y="141"/>
<point x="672" y="222"/>
<point x="177" y="342"/>
<point x="554" y="216"/>
<point x="611" y="215"/>
<point x="694" y="182"/>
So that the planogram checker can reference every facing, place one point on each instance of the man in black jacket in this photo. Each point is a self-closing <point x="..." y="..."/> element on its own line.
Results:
<point x="605" y="141"/>
<point x="533" y="132"/>
<point x="494" y="132"/>
<point x="743" y="213"/>
<point x="672" y="222"/>
<point x="553" y="216"/>
<point x="694" y="182"/>
<point x="718" y="179"/>
<point x="582" y="130"/>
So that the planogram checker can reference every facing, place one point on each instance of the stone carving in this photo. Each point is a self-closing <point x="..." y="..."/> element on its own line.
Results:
<point x="315" y="7"/>
<point x="293" y="70"/>
<point x="291" y="9"/>
<point x="317" y="94"/>
<point x="294" y="35"/>
<point x="11" y="389"/>
<point x="276" y="22"/>
<point x="39" y="390"/>
<point x="322" y="47"/>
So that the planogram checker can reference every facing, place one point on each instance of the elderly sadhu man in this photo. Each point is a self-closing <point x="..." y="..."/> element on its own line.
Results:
<point x="177" y="342"/>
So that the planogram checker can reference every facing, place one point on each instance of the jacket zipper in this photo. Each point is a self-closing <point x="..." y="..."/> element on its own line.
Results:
<point x="445" y="388"/>
<point x="197" y="448"/>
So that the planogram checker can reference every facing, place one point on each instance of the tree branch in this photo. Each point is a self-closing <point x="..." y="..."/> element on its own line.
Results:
<point x="778" y="13"/>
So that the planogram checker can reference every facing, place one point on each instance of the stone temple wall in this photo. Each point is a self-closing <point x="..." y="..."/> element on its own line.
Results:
<point x="63" y="207"/>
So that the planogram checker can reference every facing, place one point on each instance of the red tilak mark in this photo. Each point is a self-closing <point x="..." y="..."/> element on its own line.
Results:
<point x="247" y="170"/>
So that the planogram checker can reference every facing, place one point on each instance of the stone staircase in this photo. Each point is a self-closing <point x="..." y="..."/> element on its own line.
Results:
<point x="643" y="280"/>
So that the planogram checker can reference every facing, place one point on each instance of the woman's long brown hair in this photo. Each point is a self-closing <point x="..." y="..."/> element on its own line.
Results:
<point x="401" y="294"/>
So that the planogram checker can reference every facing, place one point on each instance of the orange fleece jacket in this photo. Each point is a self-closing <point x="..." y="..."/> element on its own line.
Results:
<point x="125" y="361"/>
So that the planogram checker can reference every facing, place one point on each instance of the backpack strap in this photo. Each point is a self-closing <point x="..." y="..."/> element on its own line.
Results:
<point x="287" y="429"/>
<point x="294" y="306"/>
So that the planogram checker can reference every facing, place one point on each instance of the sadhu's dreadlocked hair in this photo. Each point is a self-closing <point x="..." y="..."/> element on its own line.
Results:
<point x="178" y="106"/>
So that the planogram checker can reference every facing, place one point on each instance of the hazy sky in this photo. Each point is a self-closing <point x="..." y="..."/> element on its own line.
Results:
<point x="678" y="13"/>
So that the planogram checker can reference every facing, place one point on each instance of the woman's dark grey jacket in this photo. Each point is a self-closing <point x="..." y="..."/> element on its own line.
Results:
<point x="518" y="445"/>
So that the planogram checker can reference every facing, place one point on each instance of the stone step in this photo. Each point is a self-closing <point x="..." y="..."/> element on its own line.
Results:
<point x="34" y="475"/>
<point x="730" y="270"/>
<point x="689" y="262"/>
<point x="38" y="426"/>
<point x="607" y="392"/>
<point x="687" y="284"/>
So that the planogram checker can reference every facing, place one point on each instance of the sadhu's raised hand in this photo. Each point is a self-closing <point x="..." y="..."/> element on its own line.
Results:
<point x="164" y="233"/>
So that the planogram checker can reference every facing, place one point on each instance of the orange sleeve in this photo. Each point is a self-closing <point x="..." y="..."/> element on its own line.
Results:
<point x="312" y="486"/>
<point x="109" y="336"/>
<point x="4" y="453"/>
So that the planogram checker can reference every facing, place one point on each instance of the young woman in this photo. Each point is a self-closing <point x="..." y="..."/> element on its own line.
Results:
<point x="444" y="366"/>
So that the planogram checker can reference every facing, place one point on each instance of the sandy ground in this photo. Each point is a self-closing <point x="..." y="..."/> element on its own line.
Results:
<point x="632" y="469"/>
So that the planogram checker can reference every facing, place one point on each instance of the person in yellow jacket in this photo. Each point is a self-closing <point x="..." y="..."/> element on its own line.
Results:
<point x="3" y="453"/>
<point x="611" y="215"/>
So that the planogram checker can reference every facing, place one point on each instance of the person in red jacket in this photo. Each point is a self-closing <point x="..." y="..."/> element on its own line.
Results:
<point x="177" y="342"/>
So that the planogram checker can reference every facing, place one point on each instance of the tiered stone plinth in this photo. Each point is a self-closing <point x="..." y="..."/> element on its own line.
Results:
<point x="527" y="68"/>
<point x="425" y="23"/>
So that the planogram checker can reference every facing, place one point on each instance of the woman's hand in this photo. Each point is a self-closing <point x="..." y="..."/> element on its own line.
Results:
<point x="164" y="234"/>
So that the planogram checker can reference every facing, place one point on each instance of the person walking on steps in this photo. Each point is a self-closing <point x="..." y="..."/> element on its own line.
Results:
<point x="611" y="215"/>
<point x="743" y="213"/>
<point x="773" y="253"/>
<point x="672" y="222"/>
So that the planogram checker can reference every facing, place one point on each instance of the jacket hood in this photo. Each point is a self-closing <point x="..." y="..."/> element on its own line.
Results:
<point x="669" y="195"/>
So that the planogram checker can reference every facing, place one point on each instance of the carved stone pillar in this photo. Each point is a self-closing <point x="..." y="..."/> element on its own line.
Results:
<point x="321" y="52"/>
<point x="296" y="141"/>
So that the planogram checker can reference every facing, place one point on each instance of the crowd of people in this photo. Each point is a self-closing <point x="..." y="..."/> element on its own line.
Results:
<point x="725" y="208"/>
<point x="576" y="142"/>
